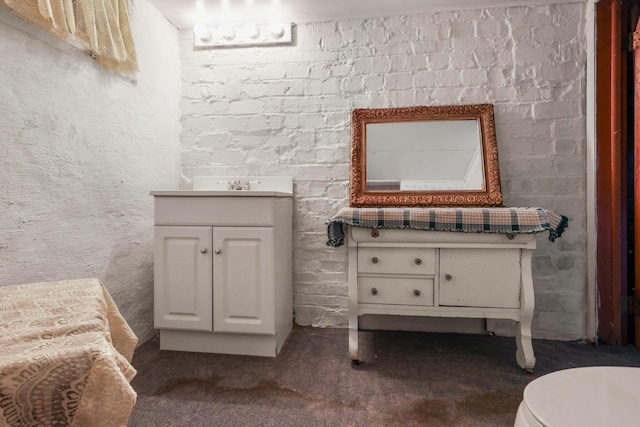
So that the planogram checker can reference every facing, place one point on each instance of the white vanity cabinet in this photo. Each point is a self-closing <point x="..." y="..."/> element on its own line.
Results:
<point x="244" y="278"/>
<point x="222" y="271"/>
<point x="182" y="278"/>
<point x="442" y="274"/>
<point x="241" y="260"/>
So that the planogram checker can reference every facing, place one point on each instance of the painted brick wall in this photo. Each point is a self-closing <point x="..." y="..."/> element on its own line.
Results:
<point x="286" y="111"/>
<point x="80" y="148"/>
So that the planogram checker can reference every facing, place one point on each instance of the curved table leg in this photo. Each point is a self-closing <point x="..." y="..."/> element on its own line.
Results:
<point x="524" y="352"/>
<point x="353" y="305"/>
<point x="353" y="341"/>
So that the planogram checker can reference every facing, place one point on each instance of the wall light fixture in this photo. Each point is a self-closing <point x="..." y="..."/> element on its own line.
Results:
<point x="242" y="35"/>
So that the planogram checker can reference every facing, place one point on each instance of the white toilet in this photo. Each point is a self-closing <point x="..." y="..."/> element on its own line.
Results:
<point x="600" y="396"/>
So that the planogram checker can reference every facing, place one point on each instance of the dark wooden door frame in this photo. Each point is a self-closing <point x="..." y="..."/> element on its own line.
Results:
<point x="610" y="173"/>
<point x="635" y="45"/>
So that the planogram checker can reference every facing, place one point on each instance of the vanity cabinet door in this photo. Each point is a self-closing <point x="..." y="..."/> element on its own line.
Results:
<point x="182" y="278"/>
<point x="243" y="277"/>
<point x="480" y="278"/>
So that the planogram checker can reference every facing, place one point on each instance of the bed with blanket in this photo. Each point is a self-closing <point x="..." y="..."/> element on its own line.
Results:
<point x="65" y="354"/>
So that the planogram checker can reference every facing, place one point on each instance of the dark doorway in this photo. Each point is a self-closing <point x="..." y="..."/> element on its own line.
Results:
<point x="618" y="183"/>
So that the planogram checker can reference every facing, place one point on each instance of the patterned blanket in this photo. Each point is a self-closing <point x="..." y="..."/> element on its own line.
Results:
<point x="64" y="358"/>
<point x="469" y="220"/>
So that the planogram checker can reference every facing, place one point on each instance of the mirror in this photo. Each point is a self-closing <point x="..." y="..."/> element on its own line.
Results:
<point x="424" y="156"/>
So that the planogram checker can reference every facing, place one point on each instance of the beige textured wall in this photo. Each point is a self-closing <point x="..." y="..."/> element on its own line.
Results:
<point x="80" y="148"/>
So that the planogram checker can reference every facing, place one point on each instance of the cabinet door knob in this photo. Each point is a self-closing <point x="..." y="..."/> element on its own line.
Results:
<point x="203" y="251"/>
<point x="375" y="260"/>
<point x="448" y="277"/>
<point x="218" y="251"/>
<point x="374" y="291"/>
<point x="418" y="261"/>
<point x="417" y="292"/>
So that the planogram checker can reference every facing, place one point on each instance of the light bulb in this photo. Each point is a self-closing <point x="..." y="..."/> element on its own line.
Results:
<point x="276" y="28"/>
<point x="201" y="31"/>
<point x="251" y="30"/>
<point x="226" y="31"/>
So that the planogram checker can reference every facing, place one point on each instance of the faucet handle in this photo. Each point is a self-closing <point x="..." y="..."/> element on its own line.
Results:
<point x="247" y="184"/>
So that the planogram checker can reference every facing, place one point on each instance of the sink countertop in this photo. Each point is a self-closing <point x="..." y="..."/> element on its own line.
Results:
<point x="220" y="193"/>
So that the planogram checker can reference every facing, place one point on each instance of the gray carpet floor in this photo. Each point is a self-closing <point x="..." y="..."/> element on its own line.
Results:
<point x="405" y="379"/>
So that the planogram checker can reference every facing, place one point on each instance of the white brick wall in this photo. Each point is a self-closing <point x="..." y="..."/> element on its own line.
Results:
<point x="286" y="111"/>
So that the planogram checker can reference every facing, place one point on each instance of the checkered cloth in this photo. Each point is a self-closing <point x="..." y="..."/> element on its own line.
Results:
<point x="468" y="220"/>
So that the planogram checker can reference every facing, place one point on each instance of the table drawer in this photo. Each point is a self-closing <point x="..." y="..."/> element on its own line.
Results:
<point x="395" y="290"/>
<point x="397" y="260"/>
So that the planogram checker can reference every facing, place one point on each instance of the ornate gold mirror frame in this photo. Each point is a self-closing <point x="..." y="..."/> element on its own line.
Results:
<point x="488" y="192"/>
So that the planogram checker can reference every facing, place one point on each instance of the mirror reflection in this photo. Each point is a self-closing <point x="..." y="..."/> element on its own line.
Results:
<point x="424" y="155"/>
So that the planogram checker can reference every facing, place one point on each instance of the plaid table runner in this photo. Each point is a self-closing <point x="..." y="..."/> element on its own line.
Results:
<point x="469" y="220"/>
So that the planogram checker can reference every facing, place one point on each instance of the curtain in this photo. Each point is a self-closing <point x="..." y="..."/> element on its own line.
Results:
<point x="101" y="26"/>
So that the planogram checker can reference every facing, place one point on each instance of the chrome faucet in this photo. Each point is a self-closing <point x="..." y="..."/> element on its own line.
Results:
<point x="234" y="185"/>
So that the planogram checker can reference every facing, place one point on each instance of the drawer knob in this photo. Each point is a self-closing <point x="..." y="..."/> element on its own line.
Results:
<point x="203" y="251"/>
<point x="418" y="261"/>
<point x="375" y="260"/>
<point x="374" y="291"/>
<point x="417" y="292"/>
<point x="218" y="251"/>
<point x="448" y="277"/>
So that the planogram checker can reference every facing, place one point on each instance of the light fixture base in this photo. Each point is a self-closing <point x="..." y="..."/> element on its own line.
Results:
<point x="265" y="36"/>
